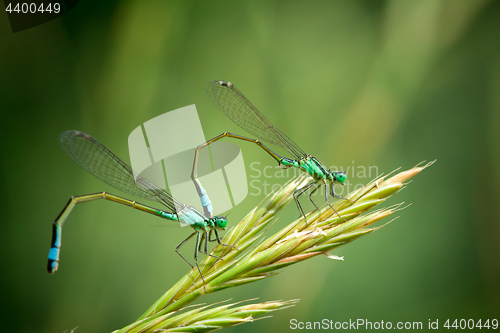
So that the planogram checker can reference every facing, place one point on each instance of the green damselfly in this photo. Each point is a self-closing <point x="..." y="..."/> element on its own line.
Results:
<point x="92" y="156"/>
<point x="232" y="103"/>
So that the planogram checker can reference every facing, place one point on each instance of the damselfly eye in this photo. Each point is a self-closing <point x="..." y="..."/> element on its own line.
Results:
<point x="221" y="222"/>
<point x="341" y="177"/>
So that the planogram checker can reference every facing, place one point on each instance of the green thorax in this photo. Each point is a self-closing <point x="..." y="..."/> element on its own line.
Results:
<point x="190" y="216"/>
<point x="313" y="167"/>
<point x="211" y="222"/>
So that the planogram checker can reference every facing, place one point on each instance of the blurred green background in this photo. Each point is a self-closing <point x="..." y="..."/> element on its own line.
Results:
<point x="364" y="83"/>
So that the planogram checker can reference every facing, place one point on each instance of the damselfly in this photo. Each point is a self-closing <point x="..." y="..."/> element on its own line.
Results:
<point x="91" y="155"/>
<point x="231" y="102"/>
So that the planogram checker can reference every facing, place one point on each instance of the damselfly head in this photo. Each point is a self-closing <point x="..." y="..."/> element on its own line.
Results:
<point x="220" y="222"/>
<point x="339" y="176"/>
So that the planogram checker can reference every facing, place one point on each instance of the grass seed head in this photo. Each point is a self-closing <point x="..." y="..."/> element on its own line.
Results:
<point x="297" y="241"/>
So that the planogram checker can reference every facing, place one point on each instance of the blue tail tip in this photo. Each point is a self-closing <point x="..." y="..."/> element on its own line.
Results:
<point x="52" y="266"/>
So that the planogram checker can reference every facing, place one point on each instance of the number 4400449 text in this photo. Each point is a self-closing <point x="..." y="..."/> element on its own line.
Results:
<point x="33" y="8"/>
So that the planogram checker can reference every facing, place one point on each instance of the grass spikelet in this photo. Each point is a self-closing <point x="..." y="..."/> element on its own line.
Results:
<point x="203" y="319"/>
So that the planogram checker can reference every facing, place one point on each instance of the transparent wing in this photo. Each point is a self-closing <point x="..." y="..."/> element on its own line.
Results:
<point x="243" y="113"/>
<point x="91" y="155"/>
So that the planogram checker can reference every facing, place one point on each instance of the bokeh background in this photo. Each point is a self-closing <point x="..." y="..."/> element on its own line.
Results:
<point x="363" y="83"/>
